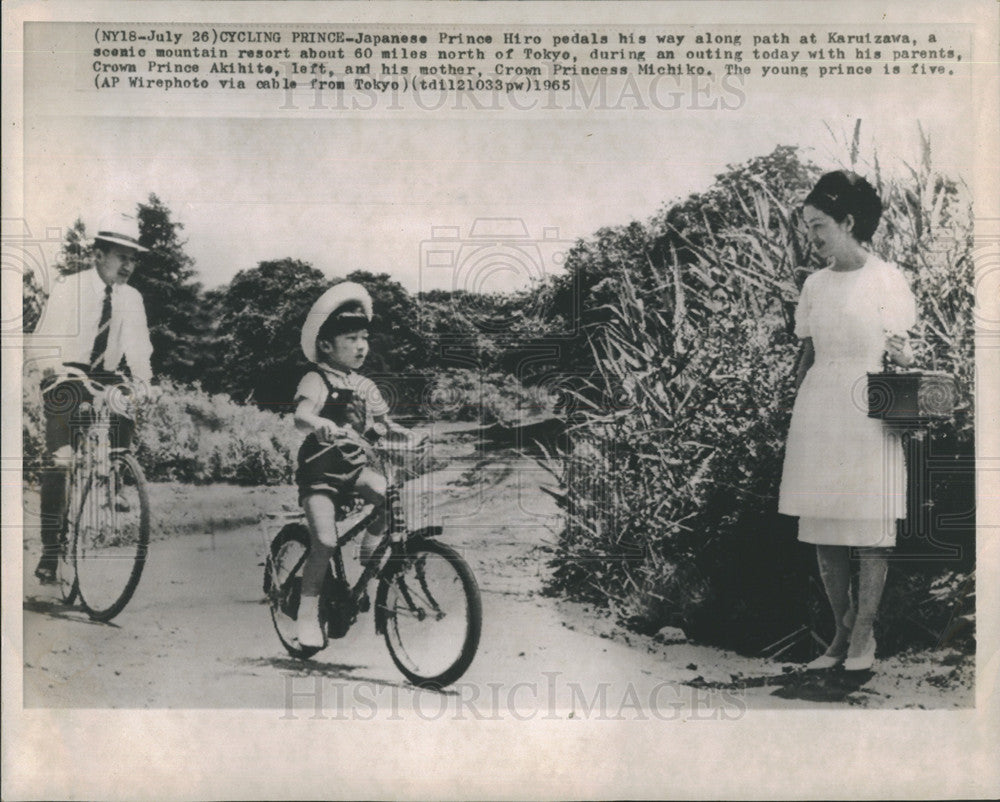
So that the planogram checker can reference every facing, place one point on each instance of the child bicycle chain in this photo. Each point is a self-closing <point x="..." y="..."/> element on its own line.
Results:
<point x="427" y="604"/>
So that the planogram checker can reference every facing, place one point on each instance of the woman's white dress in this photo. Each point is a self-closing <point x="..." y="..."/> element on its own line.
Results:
<point x="844" y="474"/>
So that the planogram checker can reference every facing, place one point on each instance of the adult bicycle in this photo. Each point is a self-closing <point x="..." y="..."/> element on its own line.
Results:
<point x="427" y="603"/>
<point x="105" y="536"/>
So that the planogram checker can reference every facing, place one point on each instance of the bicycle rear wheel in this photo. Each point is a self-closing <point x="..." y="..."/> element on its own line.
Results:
<point x="432" y="612"/>
<point x="111" y="538"/>
<point x="283" y="586"/>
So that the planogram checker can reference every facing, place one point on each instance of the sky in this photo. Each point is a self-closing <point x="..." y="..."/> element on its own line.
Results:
<point x="251" y="178"/>
<point x="368" y="194"/>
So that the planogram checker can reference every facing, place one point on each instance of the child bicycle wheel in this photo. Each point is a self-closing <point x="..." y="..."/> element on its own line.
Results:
<point x="111" y="538"/>
<point x="431" y="612"/>
<point x="283" y="586"/>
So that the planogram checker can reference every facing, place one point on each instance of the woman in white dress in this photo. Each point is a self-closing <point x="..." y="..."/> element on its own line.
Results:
<point x="844" y="475"/>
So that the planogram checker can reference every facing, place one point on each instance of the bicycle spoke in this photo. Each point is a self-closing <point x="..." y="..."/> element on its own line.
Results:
<point x="431" y="610"/>
<point x="419" y="605"/>
<point x="111" y="537"/>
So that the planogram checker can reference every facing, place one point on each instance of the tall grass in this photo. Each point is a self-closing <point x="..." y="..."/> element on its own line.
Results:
<point x="674" y="481"/>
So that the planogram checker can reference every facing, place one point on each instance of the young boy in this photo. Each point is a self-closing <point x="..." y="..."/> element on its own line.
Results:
<point x="336" y="406"/>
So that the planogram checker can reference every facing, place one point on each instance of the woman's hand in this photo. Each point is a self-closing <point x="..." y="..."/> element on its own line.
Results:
<point x="897" y="346"/>
<point x="806" y="358"/>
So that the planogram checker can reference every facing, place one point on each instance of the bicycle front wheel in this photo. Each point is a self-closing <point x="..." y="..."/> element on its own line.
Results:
<point x="65" y="573"/>
<point x="429" y="602"/>
<point x="111" y="538"/>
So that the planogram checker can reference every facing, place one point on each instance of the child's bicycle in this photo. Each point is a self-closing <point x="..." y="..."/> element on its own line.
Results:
<point x="427" y="604"/>
<point x="105" y="536"/>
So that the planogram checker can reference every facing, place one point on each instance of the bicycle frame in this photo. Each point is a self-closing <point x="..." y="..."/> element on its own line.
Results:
<point x="105" y="530"/>
<point x="428" y="607"/>
<point x="92" y="454"/>
<point x="390" y="542"/>
<point x="91" y="457"/>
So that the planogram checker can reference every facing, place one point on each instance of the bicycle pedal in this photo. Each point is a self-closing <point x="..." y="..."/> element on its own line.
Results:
<point x="364" y="603"/>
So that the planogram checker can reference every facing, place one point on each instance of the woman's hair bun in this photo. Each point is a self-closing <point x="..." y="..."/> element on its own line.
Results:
<point x="843" y="193"/>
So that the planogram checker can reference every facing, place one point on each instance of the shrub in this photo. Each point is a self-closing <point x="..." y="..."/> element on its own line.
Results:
<point x="34" y="454"/>
<point x="484" y="397"/>
<point x="186" y="435"/>
<point x="688" y="452"/>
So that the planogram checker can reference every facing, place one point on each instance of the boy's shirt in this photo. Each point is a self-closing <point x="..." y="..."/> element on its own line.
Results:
<point x="311" y="388"/>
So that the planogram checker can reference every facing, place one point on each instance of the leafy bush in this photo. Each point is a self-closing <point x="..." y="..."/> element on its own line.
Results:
<point x="685" y="451"/>
<point x="34" y="454"/>
<point x="469" y="395"/>
<point x="927" y="608"/>
<point x="186" y="435"/>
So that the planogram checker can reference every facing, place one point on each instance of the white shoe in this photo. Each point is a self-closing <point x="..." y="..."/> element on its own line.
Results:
<point x="310" y="633"/>
<point x="864" y="661"/>
<point x="826" y="661"/>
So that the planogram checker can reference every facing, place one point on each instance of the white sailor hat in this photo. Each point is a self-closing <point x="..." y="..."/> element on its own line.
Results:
<point x="120" y="229"/>
<point x="342" y="294"/>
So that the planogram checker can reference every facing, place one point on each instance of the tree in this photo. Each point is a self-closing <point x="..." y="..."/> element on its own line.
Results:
<point x="580" y="297"/>
<point x="32" y="301"/>
<point x="177" y="326"/>
<point x="396" y="344"/>
<point x="260" y="316"/>
<point x="77" y="250"/>
<point x="728" y="203"/>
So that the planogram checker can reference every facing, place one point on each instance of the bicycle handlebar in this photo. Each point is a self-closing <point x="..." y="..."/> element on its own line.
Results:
<point x="118" y="398"/>
<point x="70" y="373"/>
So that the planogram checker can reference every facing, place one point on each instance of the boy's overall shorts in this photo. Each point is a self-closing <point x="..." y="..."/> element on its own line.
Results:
<point x="333" y="468"/>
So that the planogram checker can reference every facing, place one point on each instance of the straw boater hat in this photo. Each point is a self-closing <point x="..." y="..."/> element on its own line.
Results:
<point x="345" y="294"/>
<point x="120" y="229"/>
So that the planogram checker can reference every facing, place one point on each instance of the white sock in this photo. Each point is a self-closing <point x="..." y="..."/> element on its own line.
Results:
<point x="368" y="544"/>
<point x="308" y="608"/>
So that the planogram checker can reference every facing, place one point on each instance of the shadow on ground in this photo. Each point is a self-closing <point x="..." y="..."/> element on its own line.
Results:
<point x="811" y="686"/>
<point x="58" y="609"/>
<point x="334" y="671"/>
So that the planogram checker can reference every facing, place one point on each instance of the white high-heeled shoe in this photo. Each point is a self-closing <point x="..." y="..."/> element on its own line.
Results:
<point x="863" y="661"/>
<point x="825" y="661"/>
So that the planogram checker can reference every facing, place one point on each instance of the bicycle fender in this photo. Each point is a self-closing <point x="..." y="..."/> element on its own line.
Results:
<point x="425" y="532"/>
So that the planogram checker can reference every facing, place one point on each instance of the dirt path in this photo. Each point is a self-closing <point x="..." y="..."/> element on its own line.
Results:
<point x="197" y="635"/>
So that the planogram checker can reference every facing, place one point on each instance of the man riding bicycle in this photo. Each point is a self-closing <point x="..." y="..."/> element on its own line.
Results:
<point x="93" y="324"/>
